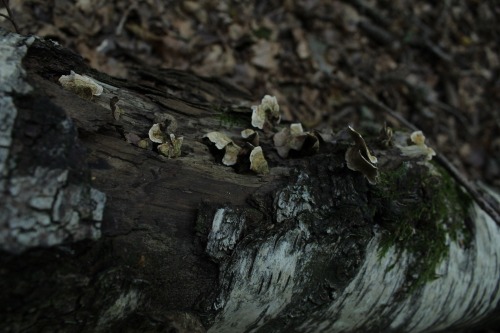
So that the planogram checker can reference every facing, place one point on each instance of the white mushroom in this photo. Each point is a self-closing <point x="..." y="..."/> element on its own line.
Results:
<point x="222" y="141"/>
<point x="419" y="148"/>
<point x="294" y="138"/>
<point x="246" y="133"/>
<point x="270" y="105"/>
<point x="177" y="144"/>
<point x="250" y="136"/>
<point x="258" y="117"/>
<point x="231" y="155"/>
<point x="267" y="112"/>
<point x="156" y="134"/>
<point x="296" y="129"/>
<point x="258" y="163"/>
<point x="145" y="144"/>
<point x="171" y="148"/>
<point x="79" y="83"/>
<point x="417" y="138"/>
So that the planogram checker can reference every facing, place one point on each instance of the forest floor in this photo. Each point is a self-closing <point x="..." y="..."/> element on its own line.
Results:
<point x="329" y="62"/>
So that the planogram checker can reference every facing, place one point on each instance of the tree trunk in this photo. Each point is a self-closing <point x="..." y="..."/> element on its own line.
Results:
<point x="191" y="245"/>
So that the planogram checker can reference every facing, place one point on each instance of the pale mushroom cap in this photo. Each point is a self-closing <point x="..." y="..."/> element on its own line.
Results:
<point x="296" y="129"/>
<point x="430" y="153"/>
<point x="166" y="149"/>
<point x="144" y="144"/>
<point x="220" y="140"/>
<point x="75" y="80"/>
<point x="417" y="138"/>
<point x="246" y="133"/>
<point x="171" y="148"/>
<point x="268" y="108"/>
<point x="231" y="155"/>
<point x="251" y="136"/>
<point x="176" y="142"/>
<point x="291" y="138"/>
<point x="372" y="158"/>
<point x="271" y="103"/>
<point x="258" y="116"/>
<point x="258" y="162"/>
<point x="418" y="150"/>
<point x="155" y="133"/>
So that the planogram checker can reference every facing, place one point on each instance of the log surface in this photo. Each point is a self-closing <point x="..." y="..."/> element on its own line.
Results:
<point x="189" y="244"/>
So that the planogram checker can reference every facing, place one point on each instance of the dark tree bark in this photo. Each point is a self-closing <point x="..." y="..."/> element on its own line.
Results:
<point x="100" y="235"/>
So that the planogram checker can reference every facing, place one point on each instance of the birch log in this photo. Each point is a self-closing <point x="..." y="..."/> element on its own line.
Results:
<point x="187" y="244"/>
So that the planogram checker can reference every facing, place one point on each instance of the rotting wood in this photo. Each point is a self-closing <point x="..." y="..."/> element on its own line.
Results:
<point x="191" y="245"/>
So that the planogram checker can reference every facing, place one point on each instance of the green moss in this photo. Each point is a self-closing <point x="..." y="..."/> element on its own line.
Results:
<point x="420" y="209"/>
<point x="229" y="119"/>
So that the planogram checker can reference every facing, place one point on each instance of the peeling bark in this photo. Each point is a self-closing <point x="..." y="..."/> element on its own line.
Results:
<point x="191" y="245"/>
<point x="50" y="202"/>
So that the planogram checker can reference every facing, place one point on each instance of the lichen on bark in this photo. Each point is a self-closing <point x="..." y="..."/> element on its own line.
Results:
<point x="44" y="182"/>
<point x="308" y="247"/>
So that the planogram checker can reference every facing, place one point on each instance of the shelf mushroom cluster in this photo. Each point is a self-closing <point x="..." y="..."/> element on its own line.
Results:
<point x="250" y="153"/>
<point x="418" y="148"/>
<point x="265" y="117"/>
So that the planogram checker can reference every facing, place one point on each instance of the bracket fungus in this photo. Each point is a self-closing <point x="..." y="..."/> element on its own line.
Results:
<point x="169" y="145"/>
<point x="164" y="126"/>
<point x="223" y="143"/>
<point x="156" y="134"/>
<point x="359" y="158"/>
<point x="231" y="155"/>
<point x="116" y="111"/>
<point x="81" y="85"/>
<point x="294" y="138"/>
<point x="235" y="155"/>
<point x="145" y="144"/>
<point x="250" y="136"/>
<point x="258" y="163"/>
<point x="418" y="148"/>
<point x="268" y="112"/>
<point x="172" y="147"/>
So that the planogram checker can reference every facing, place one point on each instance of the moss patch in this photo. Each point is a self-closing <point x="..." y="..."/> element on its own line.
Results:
<point x="229" y="119"/>
<point x="420" y="209"/>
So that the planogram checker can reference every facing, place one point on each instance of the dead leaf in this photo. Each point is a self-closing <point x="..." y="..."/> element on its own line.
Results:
<point x="264" y="54"/>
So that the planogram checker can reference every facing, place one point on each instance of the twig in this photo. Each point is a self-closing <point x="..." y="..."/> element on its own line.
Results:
<point x="470" y="187"/>
<point x="9" y="17"/>
<point x="378" y="34"/>
<point x="370" y="12"/>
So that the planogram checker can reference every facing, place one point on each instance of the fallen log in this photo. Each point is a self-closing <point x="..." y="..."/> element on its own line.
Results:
<point x="101" y="232"/>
